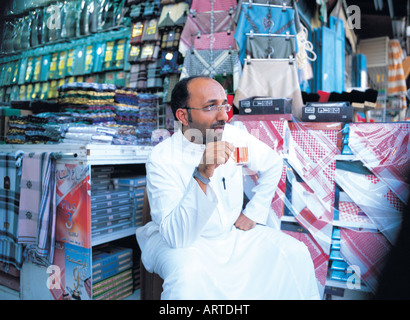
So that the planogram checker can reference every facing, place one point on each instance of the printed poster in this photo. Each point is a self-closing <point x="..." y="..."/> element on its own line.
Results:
<point x="73" y="204"/>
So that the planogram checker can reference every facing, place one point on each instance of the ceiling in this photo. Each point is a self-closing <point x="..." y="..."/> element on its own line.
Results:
<point x="377" y="22"/>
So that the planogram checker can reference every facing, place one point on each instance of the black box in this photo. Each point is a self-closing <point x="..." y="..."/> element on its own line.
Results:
<point x="265" y="105"/>
<point x="327" y="112"/>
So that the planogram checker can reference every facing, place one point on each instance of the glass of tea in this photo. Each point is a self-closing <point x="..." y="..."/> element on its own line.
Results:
<point x="240" y="153"/>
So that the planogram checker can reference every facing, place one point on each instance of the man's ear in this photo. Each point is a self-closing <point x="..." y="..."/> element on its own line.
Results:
<point x="182" y="115"/>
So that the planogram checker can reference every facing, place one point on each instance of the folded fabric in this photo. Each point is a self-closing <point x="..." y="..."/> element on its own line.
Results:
<point x="320" y="258"/>
<point x="388" y="161"/>
<point x="367" y="251"/>
<point x="375" y="198"/>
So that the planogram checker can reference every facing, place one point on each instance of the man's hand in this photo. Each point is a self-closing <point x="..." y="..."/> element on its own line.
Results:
<point x="215" y="154"/>
<point x="244" y="223"/>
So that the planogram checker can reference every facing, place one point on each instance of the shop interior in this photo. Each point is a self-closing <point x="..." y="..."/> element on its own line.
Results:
<point x="85" y="90"/>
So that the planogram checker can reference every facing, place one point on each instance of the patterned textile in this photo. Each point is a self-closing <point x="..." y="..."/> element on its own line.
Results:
<point x="396" y="79"/>
<point x="257" y="80"/>
<point x="319" y="257"/>
<point x="173" y="15"/>
<point x="262" y="19"/>
<point x="206" y="62"/>
<point x="272" y="133"/>
<point x="201" y="23"/>
<point x="215" y="41"/>
<point x="351" y="214"/>
<point x="367" y="251"/>
<point x="212" y="5"/>
<point x="11" y="252"/>
<point x="37" y="211"/>
<point x="312" y="156"/>
<point x="375" y="198"/>
<point x="384" y="150"/>
<point x="263" y="47"/>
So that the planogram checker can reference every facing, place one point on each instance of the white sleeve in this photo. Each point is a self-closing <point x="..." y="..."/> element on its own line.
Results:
<point x="268" y="163"/>
<point x="181" y="214"/>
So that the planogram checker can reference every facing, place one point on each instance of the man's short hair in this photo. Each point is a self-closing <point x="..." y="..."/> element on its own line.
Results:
<point x="180" y="94"/>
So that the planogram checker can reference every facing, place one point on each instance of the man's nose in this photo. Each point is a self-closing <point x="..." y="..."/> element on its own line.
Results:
<point x="222" y="115"/>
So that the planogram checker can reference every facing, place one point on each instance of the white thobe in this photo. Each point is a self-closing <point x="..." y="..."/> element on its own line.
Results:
<point x="192" y="242"/>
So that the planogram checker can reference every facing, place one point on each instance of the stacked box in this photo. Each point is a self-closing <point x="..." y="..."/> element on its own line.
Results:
<point x="136" y="186"/>
<point x="339" y="269"/>
<point x="112" y="272"/>
<point x="111" y="210"/>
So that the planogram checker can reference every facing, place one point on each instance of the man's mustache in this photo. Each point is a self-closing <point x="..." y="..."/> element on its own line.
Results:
<point x="218" y="124"/>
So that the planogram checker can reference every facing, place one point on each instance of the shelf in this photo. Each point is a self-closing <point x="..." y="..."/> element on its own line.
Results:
<point x="113" y="236"/>
<point x="93" y="154"/>
<point x="343" y="285"/>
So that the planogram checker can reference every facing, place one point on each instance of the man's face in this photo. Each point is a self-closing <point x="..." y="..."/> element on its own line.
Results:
<point x="204" y="92"/>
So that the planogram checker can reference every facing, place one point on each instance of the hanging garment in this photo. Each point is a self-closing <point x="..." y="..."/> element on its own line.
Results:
<point x="150" y="32"/>
<point x="206" y="62"/>
<point x="170" y="38"/>
<point x="137" y="31"/>
<point x="205" y="257"/>
<point x="37" y="211"/>
<point x="272" y="47"/>
<point x="396" y="80"/>
<point x="11" y="252"/>
<point x="173" y="15"/>
<point x="169" y="62"/>
<point x="273" y="78"/>
<point x="213" y="5"/>
<point x="214" y="41"/>
<point x="263" y="19"/>
<point x="200" y="24"/>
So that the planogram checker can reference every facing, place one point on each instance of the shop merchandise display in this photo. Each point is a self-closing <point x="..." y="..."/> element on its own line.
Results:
<point x="116" y="203"/>
<point x="104" y="75"/>
<point x="37" y="207"/>
<point x="344" y="211"/>
<point x="208" y="44"/>
<point x="11" y="251"/>
<point x="112" y="276"/>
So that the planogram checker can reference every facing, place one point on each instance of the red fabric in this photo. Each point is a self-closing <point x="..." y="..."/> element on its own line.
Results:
<point x="367" y="251"/>
<point x="383" y="148"/>
<point x="324" y="96"/>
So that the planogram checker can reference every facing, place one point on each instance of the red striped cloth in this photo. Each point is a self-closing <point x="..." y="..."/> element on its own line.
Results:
<point x="396" y="79"/>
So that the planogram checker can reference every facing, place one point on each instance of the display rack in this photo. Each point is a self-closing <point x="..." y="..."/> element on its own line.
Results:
<point x="84" y="157"/>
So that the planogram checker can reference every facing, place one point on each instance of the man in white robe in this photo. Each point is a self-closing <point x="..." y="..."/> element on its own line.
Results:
<point x="201" y="241"/>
